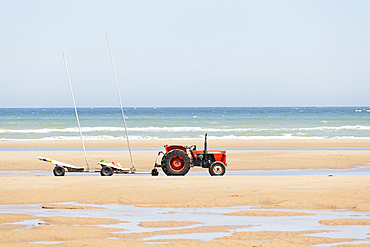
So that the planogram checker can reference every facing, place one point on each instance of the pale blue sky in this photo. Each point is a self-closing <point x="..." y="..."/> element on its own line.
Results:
<point x="185" y="53"/>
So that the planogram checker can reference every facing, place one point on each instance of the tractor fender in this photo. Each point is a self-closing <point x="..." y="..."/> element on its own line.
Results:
<point x="172" y="147"/>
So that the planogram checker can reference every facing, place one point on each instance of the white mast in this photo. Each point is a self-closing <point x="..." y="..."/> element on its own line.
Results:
<point x="74" y="104"/>
<point x="120" y="102"/>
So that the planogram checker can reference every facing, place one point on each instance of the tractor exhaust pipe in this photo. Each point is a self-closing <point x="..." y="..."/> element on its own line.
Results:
<point x="205" y="148"/>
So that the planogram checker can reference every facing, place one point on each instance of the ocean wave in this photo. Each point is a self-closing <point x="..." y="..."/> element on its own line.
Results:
<point x="63" y="130"/>
<point x="346" y="127"/>
<point x="178" y="129"/>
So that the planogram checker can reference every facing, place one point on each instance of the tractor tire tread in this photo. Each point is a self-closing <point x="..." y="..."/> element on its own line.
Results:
<point x="166" y="160"/>
<point x="214" y="172"/>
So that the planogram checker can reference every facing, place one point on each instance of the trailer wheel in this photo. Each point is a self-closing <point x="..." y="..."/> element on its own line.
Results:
<point x="176" y="163"/>
<point x="59" y="171"/>
<point x="106" y="171"/>
<point x="217" y="169"/>
<point x="155" y="172"/>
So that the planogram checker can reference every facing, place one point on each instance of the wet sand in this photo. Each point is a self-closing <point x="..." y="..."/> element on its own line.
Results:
<point x="237" y="160"/>
<point x="296" y="192"/>
<point x="349" y="193"/>
<point x="199" y="142"/>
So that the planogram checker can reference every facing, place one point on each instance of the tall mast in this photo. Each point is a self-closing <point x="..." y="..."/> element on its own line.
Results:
<point x="74" y="104"/>
<point x="120" y="102"/>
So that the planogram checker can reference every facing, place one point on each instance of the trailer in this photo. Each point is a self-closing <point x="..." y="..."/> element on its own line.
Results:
<point x="107" y="169"/>
<point x="61" y="167"/>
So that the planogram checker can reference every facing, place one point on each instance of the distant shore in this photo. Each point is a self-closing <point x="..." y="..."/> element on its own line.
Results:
<point x="365" y="143"/>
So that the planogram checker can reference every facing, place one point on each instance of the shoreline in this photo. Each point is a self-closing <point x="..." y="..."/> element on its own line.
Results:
<point x="364" y="143"/>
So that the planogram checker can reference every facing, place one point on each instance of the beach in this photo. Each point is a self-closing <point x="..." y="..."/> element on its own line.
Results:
<point x="286" y="193"/>
<point x="265" y="103"/>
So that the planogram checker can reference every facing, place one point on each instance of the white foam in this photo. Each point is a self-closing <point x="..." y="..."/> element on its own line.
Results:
<point x="178" y="129"/>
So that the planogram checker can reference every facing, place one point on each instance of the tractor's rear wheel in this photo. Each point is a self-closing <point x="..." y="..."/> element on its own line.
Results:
<point x="59" y="171"/>
<point x="176" y="163"/>
<point x="106" y="171"/>
<point x="217" y="169"/>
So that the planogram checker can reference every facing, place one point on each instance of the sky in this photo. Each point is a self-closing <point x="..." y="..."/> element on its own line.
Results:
<point x="185" y="53"/>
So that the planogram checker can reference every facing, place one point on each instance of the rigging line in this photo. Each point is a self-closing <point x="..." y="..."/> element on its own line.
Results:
<point x="120" y="102"/>
<point x="74" y="104"/>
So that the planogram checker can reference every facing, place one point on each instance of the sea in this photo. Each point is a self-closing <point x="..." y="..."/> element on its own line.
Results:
<point x="153" y="123"/>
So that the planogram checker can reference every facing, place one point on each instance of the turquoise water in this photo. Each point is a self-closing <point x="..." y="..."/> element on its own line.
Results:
<point x="185" y="123"/>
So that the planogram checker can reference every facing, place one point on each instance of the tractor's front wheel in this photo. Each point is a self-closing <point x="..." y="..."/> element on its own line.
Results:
<point x="106" y="171"/>
<point x="176" y="163"/>
<point x="217" y="169"/>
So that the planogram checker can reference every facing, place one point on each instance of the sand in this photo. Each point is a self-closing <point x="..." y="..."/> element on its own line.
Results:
<point x="346" y="222"/>
<point x="236" y="160"/>
<point x="349" y="193"/>
<point x="296" y="192"/>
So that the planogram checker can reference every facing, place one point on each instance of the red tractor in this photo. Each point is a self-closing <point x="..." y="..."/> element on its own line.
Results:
<point x="177" y="160"/>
